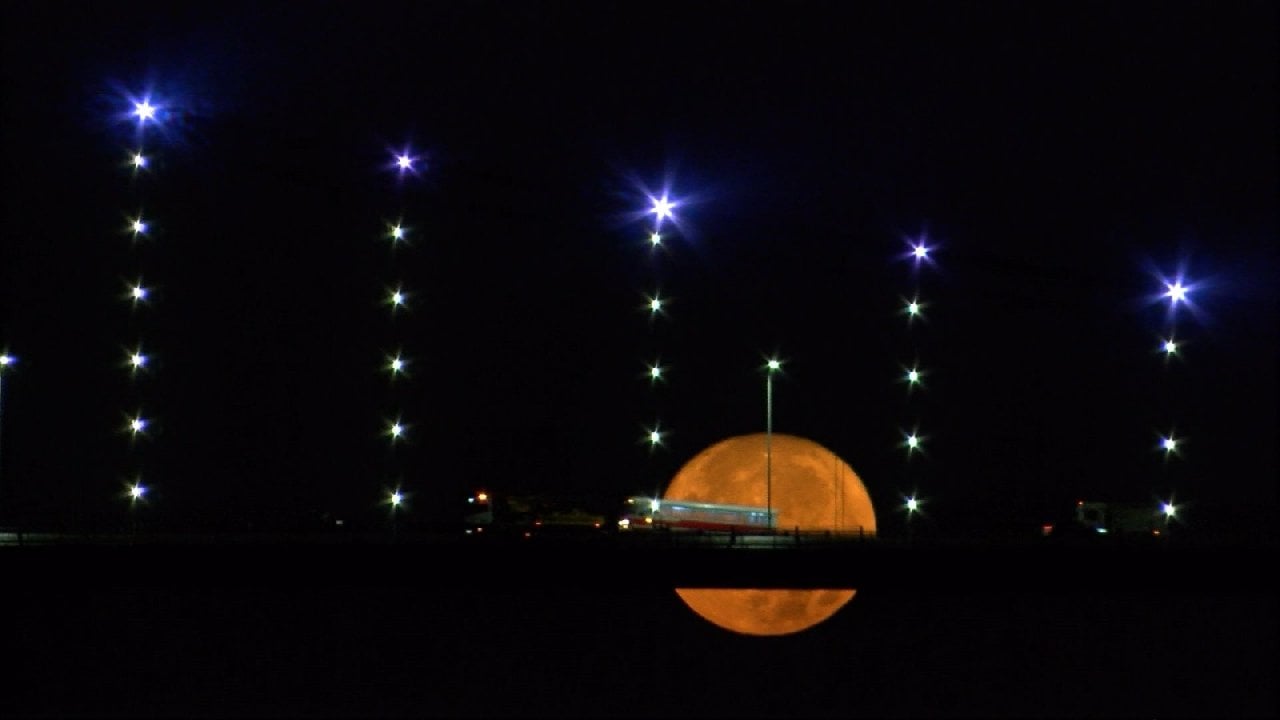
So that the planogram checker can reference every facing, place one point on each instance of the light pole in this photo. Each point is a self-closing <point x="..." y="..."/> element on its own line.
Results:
<point x="770" y="368"/>
<point x="395" y="499"/>
<point x="912" y="506"/>
<point x="5" y="361"/>
<point x="137" y="493"/>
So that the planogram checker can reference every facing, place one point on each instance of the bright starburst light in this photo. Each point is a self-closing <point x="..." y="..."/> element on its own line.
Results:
<point x="912" y="504"/>
<point x="1170" y="444"/>
<point x="662" y="208"/>
<point x="656" y="372"/>
<point x="396" y="430"/>
<point x="137" y="491"/>
<point x="655" y="304"/>
<point x="6" y="360"/>
<point x="138" y="160"/>
<point x="397" y="298"/>
<point x="1169" y="347"/>
<point x="144" y="110"/>
<point x="654" y="436"/>
<point x="138" y="225"/>
<point x="138" y="424"/>
<point x="396" y="364"/>
<point x="1176" y="291"/>
<point x="137" y="360"/>
<point x="138" y="293"/>
<point x="396" y="498"/>
<point x="920" y="252"/>
<point x="912" y="441"/>
<point x="655" y="239"/>
<point x="913" y="377"/>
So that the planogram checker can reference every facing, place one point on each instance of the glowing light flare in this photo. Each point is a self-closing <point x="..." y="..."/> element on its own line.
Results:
<point x="138" y="361"/>
<point x="1169" y="444"/>
<point x="396" y="499"/>
<point x="1177" y="293"/>
<point x="913" y="441"/>
<point x="138" y="425"/>
<point x="913" y="376"/>
<point x="397" y="298"/>
<point x="773" y="365"/>
<point x="6" y="360"/>
<point x="138" y="226"/>
<point x="655" y="239"/>
<point x="912" y="505"/>
<point x="144" y="110"/>
<point x="656" y="371"/>
<point x="653" y="436"/>
<point x="918" y="250"/>
<point x="662" y="209"/>
<point x="656" y="304"/>
<point x="913" y="308"/>
<point x="1170" y="347"/>
<point x="405" y="161"/>
<point x="397" y="232"/>
<point x="137" y="491"/>
<point x="138" y="161"/>
<point x="396" y="430"/>
<point x="138" y="293"/>
<point x="1169" y="510"/>
<point x="396" y="365"/>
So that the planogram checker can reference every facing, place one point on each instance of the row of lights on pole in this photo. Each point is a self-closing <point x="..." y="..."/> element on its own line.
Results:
<point x="1171" y="443"/>
<point x="396" y="363"/>
<point x="138" y="294"/>
<point x="656" y="308"/>
<point x="912" y="374"/>
<point x="7" y="361"/>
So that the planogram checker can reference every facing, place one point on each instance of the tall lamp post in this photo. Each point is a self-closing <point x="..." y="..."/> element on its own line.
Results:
<point x="5" y="361"/>
<point x="912" y="506"/>
<point x="770" y="368"/>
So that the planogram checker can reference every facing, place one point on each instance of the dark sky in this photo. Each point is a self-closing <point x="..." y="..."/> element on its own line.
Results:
<point x="1061" y="158"/>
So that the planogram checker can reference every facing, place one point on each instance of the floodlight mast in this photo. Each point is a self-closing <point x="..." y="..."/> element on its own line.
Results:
<point x="5" y="361"/>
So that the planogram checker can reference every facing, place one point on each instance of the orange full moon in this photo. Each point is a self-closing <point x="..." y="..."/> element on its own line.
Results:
<point x="809" y="487"/>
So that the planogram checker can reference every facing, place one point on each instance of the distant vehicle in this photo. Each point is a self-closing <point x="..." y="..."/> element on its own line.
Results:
<point x="1113" y="519"/>
<point x="642" y="512"/>
<point x="526" y="515"/>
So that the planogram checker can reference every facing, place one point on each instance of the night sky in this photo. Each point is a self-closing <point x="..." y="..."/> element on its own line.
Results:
<point x="1060" y="159"/>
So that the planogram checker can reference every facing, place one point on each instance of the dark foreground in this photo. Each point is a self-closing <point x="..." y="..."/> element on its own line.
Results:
<point x="273" y="627"/>
<point x="598" y="562"/>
